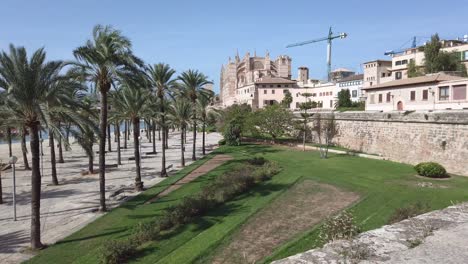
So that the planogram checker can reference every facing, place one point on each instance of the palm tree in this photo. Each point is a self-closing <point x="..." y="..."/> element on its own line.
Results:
<point x="27" y="81"/>
<point x="85" y="134"/>
<point x="181" y="114"/>
<point x="130" y="101"/>
<point x="102" y="61"/>
<point x="192" y="85"/>
<point x="160" y="77"/>
<point x="24" y="149"/>
<point x="203" y="103"/>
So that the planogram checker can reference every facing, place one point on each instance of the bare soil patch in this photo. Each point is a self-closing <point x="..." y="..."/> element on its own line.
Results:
<point x="203" y="169"/>
<point x="297" y="210"/>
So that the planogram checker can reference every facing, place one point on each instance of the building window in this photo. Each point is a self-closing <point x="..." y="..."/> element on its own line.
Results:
<point x="279" y="86"/>
<point x="380" y="98"/>
<point x="459" y="92"/>
<point x="372" y="98"/>
<point x="264" y="91"/>
<point x="354" y="93"/>
<point x="403" y="62"/>
<point x="413" y="95"/>
<point x="383" y="74"/>
<point x="397" y="75"/>
<point x="272" y="91"/>
<point x="264" y="86"/>
<point x="285" y="91"/>
<point x="331" y="103"/>
<point x="389" y="97"/>
<point x="297" y="104"/>
<point x="297" y="94"/>
<point x="444" y="93"/>
<point x="287" y="85"/>
<point x="397" y="63"/>
<point x="425" y="95"/>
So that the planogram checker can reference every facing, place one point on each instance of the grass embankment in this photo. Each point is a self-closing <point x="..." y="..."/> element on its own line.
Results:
<point x="382" y="185"/>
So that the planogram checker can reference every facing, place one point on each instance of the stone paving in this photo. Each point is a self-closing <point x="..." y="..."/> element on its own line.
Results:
<point x="71" y="205"/>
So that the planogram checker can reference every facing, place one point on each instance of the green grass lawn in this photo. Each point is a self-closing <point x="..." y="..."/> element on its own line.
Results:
<point x="383" y="186"/>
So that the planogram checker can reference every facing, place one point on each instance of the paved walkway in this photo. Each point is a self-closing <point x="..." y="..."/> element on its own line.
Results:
<point x="203" y="169"/>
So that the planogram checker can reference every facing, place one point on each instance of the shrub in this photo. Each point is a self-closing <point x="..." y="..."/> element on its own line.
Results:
<point x="431" y="169"/>
<point x="257" y="161"/>
<point x="144" y="232"/>
<point x="189" y="208"/>
<point x="222" y="142"/>
<point x="341" y="226"/>
<point x="413" y="210"/>
<point x="117" y="251"/>
<point x="232" y="134"/>
<point x="265" y="172"/>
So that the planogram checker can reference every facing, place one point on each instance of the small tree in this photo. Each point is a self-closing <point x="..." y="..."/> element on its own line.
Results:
<point x="435" y="60"/>
<point x="326" y="130"/>
<point x="305" y="116"/>
<point x="287" y="100"/>
<point x="413" y="70"/>
<point x="273" y="120"/>
<point x="344" y="99"/>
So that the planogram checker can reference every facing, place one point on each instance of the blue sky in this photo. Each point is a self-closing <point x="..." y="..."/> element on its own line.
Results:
<point x="203" y="34"/>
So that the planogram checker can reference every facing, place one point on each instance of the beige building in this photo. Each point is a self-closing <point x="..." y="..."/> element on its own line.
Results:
<point x="238" y="77"/>
<point x="431" y="92"/>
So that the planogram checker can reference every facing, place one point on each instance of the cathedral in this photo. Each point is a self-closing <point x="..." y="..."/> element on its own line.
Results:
<point x="240" y="73"/>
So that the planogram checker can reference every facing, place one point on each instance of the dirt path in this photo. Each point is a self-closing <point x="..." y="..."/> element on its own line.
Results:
<point x="295" y="211"/>
<point x="203" y="169"/>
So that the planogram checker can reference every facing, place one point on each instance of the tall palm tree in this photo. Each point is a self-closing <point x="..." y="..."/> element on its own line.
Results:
<point x="160" y="77"/>
<point x="203" y="103"/>
<point x="192" y="85"/>
<point x="85" y="134"/>
<point x="102" y="61"/>
<point x="181" y="114"/>
<point x="27" y="81"/>
<point x="130" y="101"/>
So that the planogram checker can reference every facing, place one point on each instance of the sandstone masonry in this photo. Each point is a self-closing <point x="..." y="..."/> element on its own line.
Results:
<point x="408" y="137"/>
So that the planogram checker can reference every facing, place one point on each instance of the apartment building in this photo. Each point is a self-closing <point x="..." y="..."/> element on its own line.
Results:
<point x="431" y="92"/>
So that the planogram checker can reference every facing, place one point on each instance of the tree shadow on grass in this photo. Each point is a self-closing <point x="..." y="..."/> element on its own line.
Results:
<point x="115" y="231"/>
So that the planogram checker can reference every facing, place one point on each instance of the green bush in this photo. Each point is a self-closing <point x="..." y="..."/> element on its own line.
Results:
<point x="257" y="161"/>
<point x="232" y="134"/>
<point x="222" y="142"/>
<point x="144" y="232"/>
<point x="431" y="169"/>
<point x="341" y="226"/>
<point x="117" y="251"/>
<point x="267" y="171"/>
<point x="413" y="210"/>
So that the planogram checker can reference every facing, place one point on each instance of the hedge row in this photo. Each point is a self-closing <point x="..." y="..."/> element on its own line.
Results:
<point x="224" y="188"/>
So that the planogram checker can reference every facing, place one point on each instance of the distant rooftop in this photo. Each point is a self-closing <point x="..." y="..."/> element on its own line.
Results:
<point x="271" y="80"/>
<point x="433" y="78"/>
<point x="354" y="77"/>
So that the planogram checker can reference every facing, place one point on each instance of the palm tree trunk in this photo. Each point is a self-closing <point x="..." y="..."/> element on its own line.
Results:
<point x="182" y="158"/>
<point x="102" y="150"/>
<point x="35" y="189"/>
<point x="117" y="137"/>
<point x="67" y="133"/>
<point x="159" y="133"/>
<point x="304" y="135"/>
<point x="194" y="157"/>
<point x="60" y="159"/>
<point x="126" y="134"/>
<point x="167" y="138"/>
<point x="91" y="162"/>
<point x="153" y="128"/>
<point x="148" y="131"/>
<point x="10" y="152"/>
<point x="52" y="158"/>
<point x="203" y="137"/>
<point x="1" y="192"/>
<point x="24" y="149"/>
<point x="109" y="146"/>
<point x="136" y="149"/>
<point x="163" y="158"/>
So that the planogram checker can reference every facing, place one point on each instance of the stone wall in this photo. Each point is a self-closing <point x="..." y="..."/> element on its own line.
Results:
<point x="408" y="137"/>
